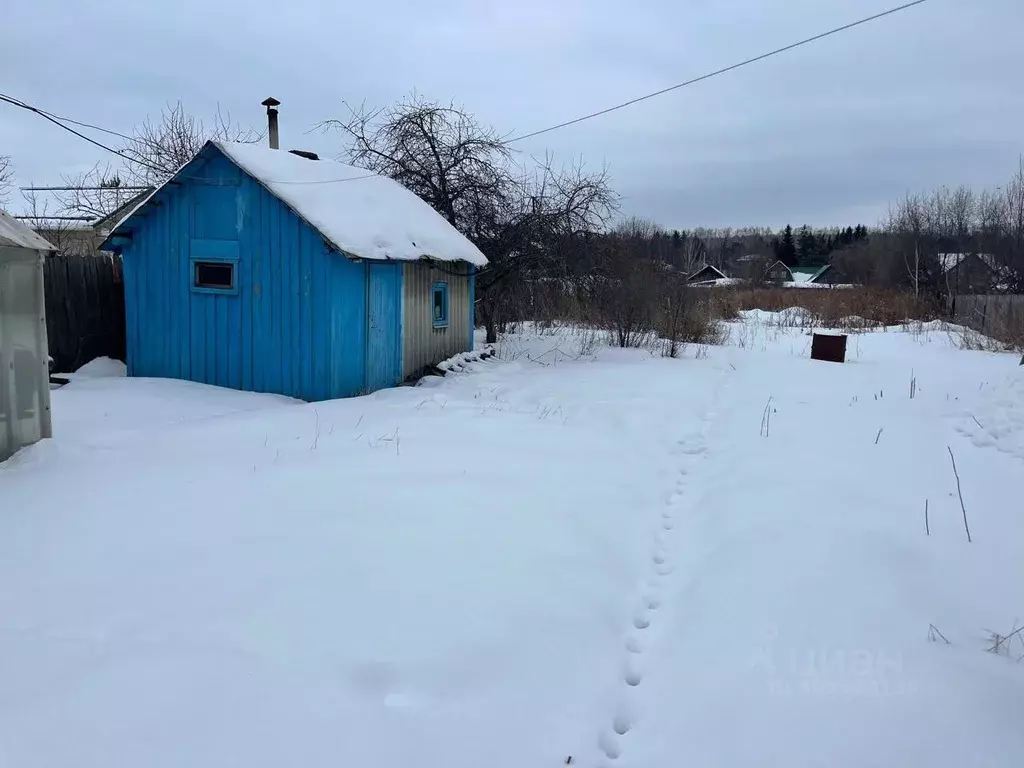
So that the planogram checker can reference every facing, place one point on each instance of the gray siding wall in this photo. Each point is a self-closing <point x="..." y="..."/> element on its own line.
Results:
<point x="423" y="343"/>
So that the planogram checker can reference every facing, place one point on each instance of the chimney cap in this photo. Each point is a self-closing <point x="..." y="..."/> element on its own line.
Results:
<point x="270" y="102"/>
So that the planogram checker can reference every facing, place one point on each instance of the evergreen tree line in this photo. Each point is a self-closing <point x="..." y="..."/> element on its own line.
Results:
<point x="689" y="249"/>
<point x="812" y="247"/>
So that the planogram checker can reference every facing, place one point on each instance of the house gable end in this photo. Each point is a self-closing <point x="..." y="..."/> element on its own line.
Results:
<point x="707" y="272"/>
<point x="778" y="271"/>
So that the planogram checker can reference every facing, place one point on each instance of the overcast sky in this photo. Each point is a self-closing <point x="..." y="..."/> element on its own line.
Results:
<point x="827" y="134"/>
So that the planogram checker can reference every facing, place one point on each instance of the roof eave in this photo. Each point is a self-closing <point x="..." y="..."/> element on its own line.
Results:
<point x="120" y="230"/>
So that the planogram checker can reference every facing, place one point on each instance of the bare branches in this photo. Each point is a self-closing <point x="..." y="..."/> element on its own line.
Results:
<point x="1002" y="644"/>
<point x="953" y="241"/>
<point x="439" y="152"/>
<point x="96" y="193"/>
<point x="161" y="147"/>
<point x="6" y="179"/>
<point x="67" y="237"/>
<point x="158" y="148"/>
<point x="465" y="171"/>
<point x="528" y="219"/>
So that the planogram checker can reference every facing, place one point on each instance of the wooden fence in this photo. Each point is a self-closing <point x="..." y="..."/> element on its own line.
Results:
<point x="1000" y="316"/>
<point x="84" y="309"/>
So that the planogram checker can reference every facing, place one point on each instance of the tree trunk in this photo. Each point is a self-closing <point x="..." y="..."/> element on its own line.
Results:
<point x="487" y="314"/>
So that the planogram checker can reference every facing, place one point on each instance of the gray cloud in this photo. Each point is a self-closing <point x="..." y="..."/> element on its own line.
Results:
<point x="827" y="134"/>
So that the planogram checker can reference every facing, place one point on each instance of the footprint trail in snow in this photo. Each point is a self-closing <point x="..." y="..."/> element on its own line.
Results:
<point x="613" y="736"/>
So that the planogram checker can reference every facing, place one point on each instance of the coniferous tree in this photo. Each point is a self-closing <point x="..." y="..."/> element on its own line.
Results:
<point x="786" y="248"/>
<point x="806" y="246"/>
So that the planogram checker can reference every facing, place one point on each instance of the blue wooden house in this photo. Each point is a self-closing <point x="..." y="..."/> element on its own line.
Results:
<point x="271" y="271"/>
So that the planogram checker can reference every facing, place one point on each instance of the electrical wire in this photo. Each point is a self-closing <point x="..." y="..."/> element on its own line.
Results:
<point x="57" y="122"/>
<point x="53" y="118"/>
<point x="326" y="181"/>
<point x="60" y="121"/>
<point x="99" y="128"/>
<point x="709" y="75"/>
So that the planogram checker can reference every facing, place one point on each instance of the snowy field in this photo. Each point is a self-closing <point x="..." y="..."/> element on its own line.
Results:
<point x="627" y="560"/>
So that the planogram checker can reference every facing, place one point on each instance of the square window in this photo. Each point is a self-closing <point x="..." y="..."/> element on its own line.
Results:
<point x="439" y="305"/>
<point x="217" y="275"/>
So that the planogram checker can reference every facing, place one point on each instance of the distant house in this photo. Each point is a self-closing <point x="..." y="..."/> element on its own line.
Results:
<point x="706" y="274"/>
<point x="259" y="269"/>
<point x="76" y="240"/>
<point x="83" y="238"/>
<point x="778" y="272"/>
<point x="965" y="273"/>
<point x="811" y="275"/>
<point x="24" y="364"/>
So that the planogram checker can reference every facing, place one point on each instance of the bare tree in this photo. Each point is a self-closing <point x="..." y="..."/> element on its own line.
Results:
<point x="1012" y="256"/>
<point x="543" y="232"/>
<point x="960" y="227"/>
<point x="161" y="147"/>
<point x="992" y="221"/>
<point x="695" y="252"/>
<point x="95" y="193"/>
<point x="528" y="220"/>
<point x="439" y="152"/>
<point x="625" y="295"/>
<point x="59" y="233"/>
<point x="906" y="227"/>
<point x="157" y="149"/>
<point x="6" y="180"/>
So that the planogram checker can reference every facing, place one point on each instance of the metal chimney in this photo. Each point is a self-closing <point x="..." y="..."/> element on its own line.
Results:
<point x="271" y="104"/>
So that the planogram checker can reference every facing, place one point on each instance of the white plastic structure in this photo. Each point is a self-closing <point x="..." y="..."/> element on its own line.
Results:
<point x="24" y="359"/>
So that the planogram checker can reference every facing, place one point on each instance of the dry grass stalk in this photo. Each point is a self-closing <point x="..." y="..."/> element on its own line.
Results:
<point x="960" y="494"/>
<point x="1003" y="644"/>
<point x="934" y="634"/>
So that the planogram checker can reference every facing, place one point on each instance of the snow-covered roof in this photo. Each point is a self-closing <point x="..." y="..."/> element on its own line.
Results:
<point x="712" y="267"/>
<point x="359" y="213"/>
<point x="803" y="274"/>
<point x="721" y="282"/>
<point x="948" y="261"/>
<point x="14" y="234"/>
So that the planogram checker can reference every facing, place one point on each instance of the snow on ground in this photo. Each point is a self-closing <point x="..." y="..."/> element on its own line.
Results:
<point x="100" y="368"/>
<point x="611" y="556"/>
<point x="999" y="420"/>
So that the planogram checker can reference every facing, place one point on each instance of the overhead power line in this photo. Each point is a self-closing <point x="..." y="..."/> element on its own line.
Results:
<point x="57" y="122"/>
<point x="114" y="188"/>
<point x="99" y="128"/>
<point x="709" y="75"/>
<point x="61" y="121"/>
<point x="325" y="181"/>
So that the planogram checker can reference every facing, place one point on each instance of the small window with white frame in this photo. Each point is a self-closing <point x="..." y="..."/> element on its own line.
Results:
<point x="439" y="305"/>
